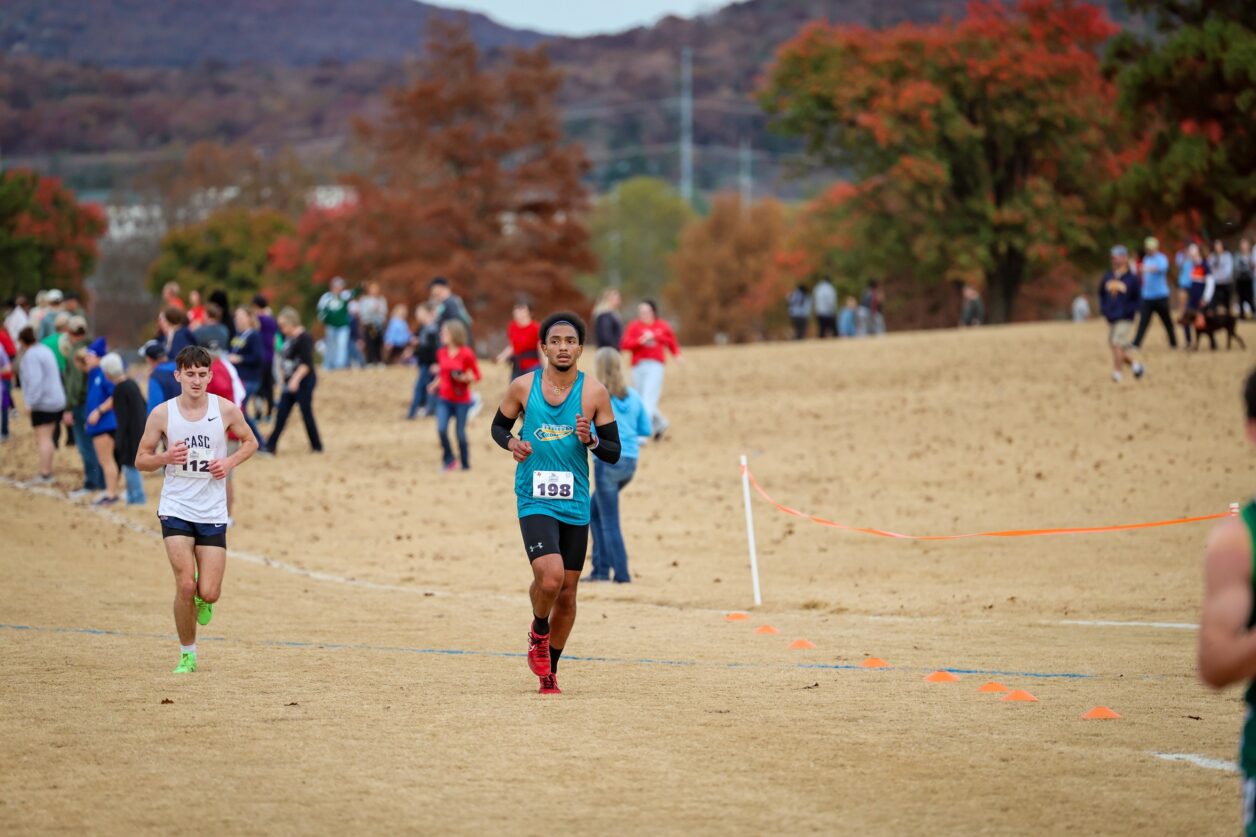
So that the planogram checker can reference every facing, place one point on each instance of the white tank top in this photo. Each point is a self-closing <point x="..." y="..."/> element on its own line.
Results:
<point x="189" y="491"/>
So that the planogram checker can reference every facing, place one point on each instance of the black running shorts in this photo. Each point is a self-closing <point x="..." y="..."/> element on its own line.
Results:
<point x="203" y="534"/>
<point x="545" y="535"/>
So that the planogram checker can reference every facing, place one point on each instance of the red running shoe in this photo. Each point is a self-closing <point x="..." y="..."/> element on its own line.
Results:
<point x="549" y="685"/>
<point x="538" y="654"/>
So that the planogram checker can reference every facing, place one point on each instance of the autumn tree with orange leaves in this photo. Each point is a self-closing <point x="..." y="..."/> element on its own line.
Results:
<point x="727" y="271"/>
<point x="47" y="238"/>
<point x="979" y="149"/>
<point x="470" y="178"/>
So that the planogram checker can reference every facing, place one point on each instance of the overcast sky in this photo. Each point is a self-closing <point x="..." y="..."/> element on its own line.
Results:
<point x="582" y="17"/>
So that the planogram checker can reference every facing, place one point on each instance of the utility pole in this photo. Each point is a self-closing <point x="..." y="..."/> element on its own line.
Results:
<point x="745" y="176"/>
<point x="686" y="125"/>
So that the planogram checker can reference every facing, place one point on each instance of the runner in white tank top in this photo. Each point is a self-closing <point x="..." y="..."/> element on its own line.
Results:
<point x="193" y="507"/>
<point x="189" y="491"/>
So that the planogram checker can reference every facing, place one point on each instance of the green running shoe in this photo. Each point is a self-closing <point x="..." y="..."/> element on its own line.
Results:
<point x="187" y="664"/>
<point x="204" y="611"/>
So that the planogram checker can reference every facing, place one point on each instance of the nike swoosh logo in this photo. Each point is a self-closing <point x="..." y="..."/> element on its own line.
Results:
<point x="211" y="419"/>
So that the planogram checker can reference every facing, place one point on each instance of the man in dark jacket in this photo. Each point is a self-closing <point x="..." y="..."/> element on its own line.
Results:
<point x="1120" y="294"/>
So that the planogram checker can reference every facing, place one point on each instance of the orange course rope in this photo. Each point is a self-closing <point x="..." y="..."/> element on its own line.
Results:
<point x="1008" y="533"/>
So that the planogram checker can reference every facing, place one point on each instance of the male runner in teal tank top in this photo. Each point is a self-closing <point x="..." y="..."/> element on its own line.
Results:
<point x="1227" y="643"/>
<point x="565" y="416"/>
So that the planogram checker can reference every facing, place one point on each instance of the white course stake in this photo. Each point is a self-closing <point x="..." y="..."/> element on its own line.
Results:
<point x="754" y="558"/>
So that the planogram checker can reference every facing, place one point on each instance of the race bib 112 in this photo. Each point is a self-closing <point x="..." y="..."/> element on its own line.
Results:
<point x="197" y="466"/>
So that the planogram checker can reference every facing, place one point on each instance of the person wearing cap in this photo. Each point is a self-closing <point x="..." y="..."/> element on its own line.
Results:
<point x="101" y="421"/>
<point x="52" y="307"/>
<point x="44" y="396"/>
<point x="1119" y="296"/>
<point x="162" y="385"/>
<point x="333" y="313"/>
<point x="75" y="415"/>
<point x="129" y="411"/>
<point x="1155" y="293"/>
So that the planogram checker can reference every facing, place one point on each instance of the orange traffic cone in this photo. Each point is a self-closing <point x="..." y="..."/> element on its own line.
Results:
<point x="941" y="677"/>
<point x="766" y="629"/>
<point x="993" y="687"/>
<point x="1100" y="713"/>
<point x="1019" y="695"/>
<point x="736" y="617"/>
<point x="802" y="644"/>
<point x="874" y="662"/>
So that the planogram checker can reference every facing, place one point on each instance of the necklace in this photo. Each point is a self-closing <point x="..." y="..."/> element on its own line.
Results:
<point x="557" y="389"/>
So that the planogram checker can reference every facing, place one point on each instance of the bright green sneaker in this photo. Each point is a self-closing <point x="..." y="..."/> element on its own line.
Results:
<point x="204" y="611"/>
<point x="187" y="664"/>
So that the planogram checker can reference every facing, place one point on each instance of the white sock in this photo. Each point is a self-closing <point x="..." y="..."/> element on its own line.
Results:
<point x="187" y="649"/>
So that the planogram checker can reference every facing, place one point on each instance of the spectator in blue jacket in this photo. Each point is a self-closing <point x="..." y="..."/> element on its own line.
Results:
<point x="1120" y="294"/>
<point x="161" y="383"/>
<point x="609" y="552"/>
<point x="101" y="421"/>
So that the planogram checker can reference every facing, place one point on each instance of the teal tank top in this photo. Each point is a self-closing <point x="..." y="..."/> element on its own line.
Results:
<point x="554" y="480"/>
<point x="1247" y="745"/>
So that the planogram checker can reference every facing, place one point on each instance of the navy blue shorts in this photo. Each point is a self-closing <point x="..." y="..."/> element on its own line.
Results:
<point x="204" y="534"/>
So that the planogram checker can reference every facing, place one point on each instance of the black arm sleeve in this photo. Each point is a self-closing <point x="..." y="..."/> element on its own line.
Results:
<point x="608" y="446"/>
<point x="501" y="430"/>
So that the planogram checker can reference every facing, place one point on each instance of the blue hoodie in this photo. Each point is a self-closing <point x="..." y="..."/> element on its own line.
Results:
<point x="1119" y="304"/>
<point x="161" y="385"/>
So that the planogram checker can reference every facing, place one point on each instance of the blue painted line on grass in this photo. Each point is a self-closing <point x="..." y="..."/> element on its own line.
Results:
<point x="463" y="652"/>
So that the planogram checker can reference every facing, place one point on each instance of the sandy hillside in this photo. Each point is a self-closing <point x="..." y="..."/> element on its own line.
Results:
<point x="364" y="670"/>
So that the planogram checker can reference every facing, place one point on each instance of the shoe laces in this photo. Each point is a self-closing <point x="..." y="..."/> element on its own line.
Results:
<point x="549" y="682"/>
<point x="536" y="643"/>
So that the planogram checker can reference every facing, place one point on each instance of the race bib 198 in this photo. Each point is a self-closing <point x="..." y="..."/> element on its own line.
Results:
<point x="553" y="485"/>
<point x="197" y="465"/>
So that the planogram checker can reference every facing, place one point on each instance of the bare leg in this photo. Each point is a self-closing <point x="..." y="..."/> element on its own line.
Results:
<point x="564" y="615"/>
<point x="211" y="561"/>
<point x="104" y="452"/>
<point x="43" y="439"/>
<point x="547" y="582"/>
<point x="180" y="551"/>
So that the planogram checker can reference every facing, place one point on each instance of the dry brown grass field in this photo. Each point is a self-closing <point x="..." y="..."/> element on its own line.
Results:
<point x="364" y="669"/>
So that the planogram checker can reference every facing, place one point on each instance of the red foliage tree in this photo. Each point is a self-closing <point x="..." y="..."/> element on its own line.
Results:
<point x="729" y="275"/>
<point x="47" y="238"/>
<point x="470" y="179"/>
<point x="979" y="148"/>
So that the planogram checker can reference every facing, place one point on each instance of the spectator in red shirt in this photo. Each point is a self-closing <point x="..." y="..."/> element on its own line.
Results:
<point x="170" y="296"/>
<point x="458" y="370"/>
<point x="8" y="356"/>
<point x="524" y="334"/>
<point x="647" y="337"/>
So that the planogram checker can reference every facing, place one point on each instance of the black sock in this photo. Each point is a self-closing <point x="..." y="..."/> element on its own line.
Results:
<point x="540" y="625"/>
<point x="555" y="653"/>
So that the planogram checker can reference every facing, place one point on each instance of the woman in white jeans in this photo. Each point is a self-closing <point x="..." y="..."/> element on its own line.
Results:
<point x="648" y="339"/>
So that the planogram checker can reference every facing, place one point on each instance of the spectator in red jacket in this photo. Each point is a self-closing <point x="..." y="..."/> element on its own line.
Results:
<point x="8" y="357"/>
<point x="458" y="371"/>
<point x="647" y="337"/>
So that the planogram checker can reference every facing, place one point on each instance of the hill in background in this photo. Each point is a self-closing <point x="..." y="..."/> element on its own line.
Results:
<point x="127" y="81"/>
